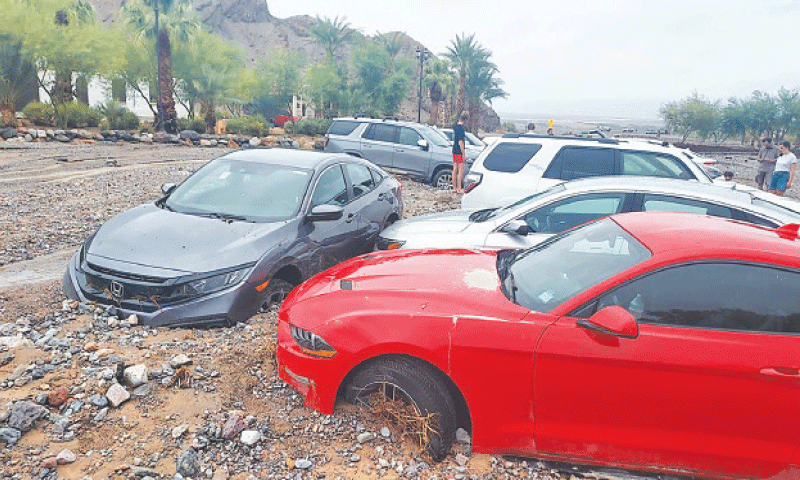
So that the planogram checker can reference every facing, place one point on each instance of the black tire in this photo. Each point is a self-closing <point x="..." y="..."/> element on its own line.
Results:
<point x="417" y="383"/>
<point x="443" y="179"/>
<point x="272" y="297"/>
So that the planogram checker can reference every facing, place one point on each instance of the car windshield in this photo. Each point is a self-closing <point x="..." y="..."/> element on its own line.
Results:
<point x="544" y="276"/>
<point x="241" y="190"/>
<point x="474" y="140"/>
<point x="434" y="136"/>
<point x="483" y="215"/>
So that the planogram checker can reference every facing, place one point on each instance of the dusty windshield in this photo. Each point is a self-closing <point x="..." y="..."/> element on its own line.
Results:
<point x="543" y="277"/>
<point x="241" y="190"/>
<point x="499" y="212"/>
<point x="434" y="136"/>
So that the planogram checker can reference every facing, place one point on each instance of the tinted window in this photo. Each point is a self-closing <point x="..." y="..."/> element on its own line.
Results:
<point x="749" y="217"/>
<point x="578" y="162"/>
<point x="330" y="189"/>
<point x="664" y="203"/>
<point x="342" y="127"/>
<point x="381" y="132"/>
<point x="409" y="136"/>
<point x="727" y="296"/>
<point x="653" y="164"/>
<point x="360" y="178"/>
<point x="510" y="157"/>
<point x="571" y="212"/>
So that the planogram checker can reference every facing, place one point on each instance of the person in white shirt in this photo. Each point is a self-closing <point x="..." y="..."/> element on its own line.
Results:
<point x="784" y="170"/>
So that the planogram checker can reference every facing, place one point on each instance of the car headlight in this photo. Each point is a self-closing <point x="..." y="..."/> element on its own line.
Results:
<point x="312" y="344"/>
<point x="389" y="244"/>
<point x="211" y="284"/>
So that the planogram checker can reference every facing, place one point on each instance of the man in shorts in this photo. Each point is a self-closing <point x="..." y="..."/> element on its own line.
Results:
<point x="458" y="151"/>
<point x="766" y="163"/>
<point x="784" y="170"/>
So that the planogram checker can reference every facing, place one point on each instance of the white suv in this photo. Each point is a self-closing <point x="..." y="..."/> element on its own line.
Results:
<point x="518" y="165"/>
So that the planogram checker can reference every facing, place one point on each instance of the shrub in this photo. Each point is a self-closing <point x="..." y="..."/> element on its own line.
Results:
<point x="39" y="113"/>
<point x="118" y="117"/>
<point x="253" y="125"/>
<point x="195" y="124"/>
<point x="312" y="127"/>
<point x="77" y="114"/>
<point x="129" y="121"/>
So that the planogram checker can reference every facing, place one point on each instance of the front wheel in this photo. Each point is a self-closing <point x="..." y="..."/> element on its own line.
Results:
<point x="416" y="383"/>
<point x="273" y="296"/>
<point x="443" y="179"/>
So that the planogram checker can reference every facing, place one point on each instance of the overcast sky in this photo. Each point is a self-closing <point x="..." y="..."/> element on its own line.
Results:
<point x="612" y="58"/>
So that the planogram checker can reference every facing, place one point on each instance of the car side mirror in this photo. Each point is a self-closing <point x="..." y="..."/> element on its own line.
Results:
<point x="423" y="144"/>
<point x="612" y="320"/>
<point x="325" y="213"/>
<point x="167" y="188"/>
<point x="517" y="227"/>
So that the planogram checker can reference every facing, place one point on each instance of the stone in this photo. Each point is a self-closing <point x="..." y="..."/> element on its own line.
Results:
<point x="90" y="347"/>
<point x="188" y="463"/>
<point x="15" y="342"/>
<point x="179" y="430"/>
<point x="10" y="436"/>
<point x="50" y="462"/>
<point x="141" y="390"/>
<point x="117" y="395"/>
<point x="65" y="456"/>
<point x="205" y="142"/>
<point x="233" y="426"/>
<point x="98" y="400"/>
<point x="462" y="436"/>
<point x="461" y="459"/>
<point x="303" y="463"/>
<point x="189" y="135"/>
<point x="133" y="319"/>
<point x="6" y="358"/>
<point x="180" y="360"/>
<point x="365" y="437"/>
<point x="250" y="437"/>
<point x="136" y="375"/>
<point x="255" y="141"/>
<point x="58" y="396"/>
<point x="24" y="414"/>
<point x="385" y="432"/>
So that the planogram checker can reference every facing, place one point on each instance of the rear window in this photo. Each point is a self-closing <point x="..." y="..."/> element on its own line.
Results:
<point x="510" y="157"/>
<point x="342" y="127"/>
<point x="579" y="162"/>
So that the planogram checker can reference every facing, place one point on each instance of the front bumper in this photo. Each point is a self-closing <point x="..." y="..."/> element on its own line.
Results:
<point x="225" y="307"/>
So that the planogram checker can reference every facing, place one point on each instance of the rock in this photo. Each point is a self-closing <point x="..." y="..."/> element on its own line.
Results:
<point x="205" y="142"/>
<point x="65" y="456"/>
<point x="141" y="390"/>
<point x="365" y="437"/>
<point x="180" y="360"/>
<point x="233" y="426"/>
<point x="462" y="436"/>
<point x="50" y="462"/>
<point x="90" y="347"/>
<point x="303" y="463"/>
<point x="188" y="463"/>
<point x="9" y="436"/>
<point x="250" y="437"/>
<point x="15" y="342"/>
<point x="354" y="458"/>
<point x="24" y="414"/>
<point x="117" y="395"/>
<point x="255" y="141"/>
<point x="189" y="135"/>
<point x="17" y="373"/>
<point x="6" y="358"/>
<point x="98" y="400"/>
<point x="179" y="430"/>
<point x="133" y="319"/>
<point x="7" y="133"/>
<point x="136" y="375"/>
<point x="461" y="459"/>
<point x="385" y="432"/>
<point x="57" y="397"/>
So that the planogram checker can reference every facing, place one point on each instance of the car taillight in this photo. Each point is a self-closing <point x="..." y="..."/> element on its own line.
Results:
<point x="471" y="181"/>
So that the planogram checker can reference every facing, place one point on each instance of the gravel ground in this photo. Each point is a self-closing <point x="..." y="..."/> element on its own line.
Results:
<point x="224" y="414"/>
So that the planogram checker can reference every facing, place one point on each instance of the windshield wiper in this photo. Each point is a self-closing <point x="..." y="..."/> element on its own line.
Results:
<point x="481" y="215"/>
<point x="163" y="204"/>
<point x="512" y="286"/>
<point x="226" y="216"/>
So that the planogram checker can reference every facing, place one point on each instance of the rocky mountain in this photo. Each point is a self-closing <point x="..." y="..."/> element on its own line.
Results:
<point x="250" y="24"/>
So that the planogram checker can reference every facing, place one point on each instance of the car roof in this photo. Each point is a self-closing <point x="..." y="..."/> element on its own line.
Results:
<point x="658" y="184"/>
<point x="699" y="236"/>
<point x="286" y="156"/>
<point x="389" y="121"/>
<point x="608" y="142"/>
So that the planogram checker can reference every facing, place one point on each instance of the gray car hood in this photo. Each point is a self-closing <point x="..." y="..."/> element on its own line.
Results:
<point x="453" y="221"/>
<point x="148" y="240"/>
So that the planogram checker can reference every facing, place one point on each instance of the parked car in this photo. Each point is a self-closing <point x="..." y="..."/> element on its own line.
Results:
<point x="541" y="215"/>
<point x="648" y="341"/>
<point x="471" y="139"/>
<point x="518" y="165"/>
<point x="410" y="148"/>
<point x="235" y="237"/>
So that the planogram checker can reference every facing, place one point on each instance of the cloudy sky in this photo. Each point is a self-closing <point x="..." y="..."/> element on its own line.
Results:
<point x="609" y="58"/>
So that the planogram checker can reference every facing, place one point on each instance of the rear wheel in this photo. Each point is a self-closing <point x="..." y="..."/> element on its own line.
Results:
<point x="443" y="179"/>
<point x="273" y="296"/>
<point x="416" y="383"/>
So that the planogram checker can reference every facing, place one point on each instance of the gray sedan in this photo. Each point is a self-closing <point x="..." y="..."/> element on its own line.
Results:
<point x="235" y="237"/>
<point x="537" y="217"/>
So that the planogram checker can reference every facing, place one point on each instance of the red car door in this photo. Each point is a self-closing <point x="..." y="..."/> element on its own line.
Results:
<point x="711" y="383"/>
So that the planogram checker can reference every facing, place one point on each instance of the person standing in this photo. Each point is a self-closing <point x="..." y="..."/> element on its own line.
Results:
<point x="766" y="163"/>
<point x="531" y="128"/>
<point x="784" y="170"/>
<point x="459" y="149"/>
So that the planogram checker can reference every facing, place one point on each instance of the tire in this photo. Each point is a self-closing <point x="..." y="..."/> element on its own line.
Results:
<point x="417" y="383"/>
<point x="272" y="297"/>
<point x="443" y="179"/>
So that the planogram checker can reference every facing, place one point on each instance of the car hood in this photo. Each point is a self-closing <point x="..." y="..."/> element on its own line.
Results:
<point x="153" y="241"/>
<point x="452" y="221"/>
<point x="420" y="282"/>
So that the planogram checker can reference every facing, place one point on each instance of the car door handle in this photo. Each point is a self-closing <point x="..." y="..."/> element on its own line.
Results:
<point x="350" y="217"/>
<point x="780" y="372"/>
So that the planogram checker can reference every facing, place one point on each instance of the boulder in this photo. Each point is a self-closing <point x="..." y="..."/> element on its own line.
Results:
<point x="117" y="395"/>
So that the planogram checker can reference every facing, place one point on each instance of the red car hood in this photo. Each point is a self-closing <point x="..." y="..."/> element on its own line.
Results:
<point x="422" y="282"/>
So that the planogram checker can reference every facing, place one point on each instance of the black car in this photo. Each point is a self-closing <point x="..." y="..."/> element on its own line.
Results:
<point x="235" y="237"/>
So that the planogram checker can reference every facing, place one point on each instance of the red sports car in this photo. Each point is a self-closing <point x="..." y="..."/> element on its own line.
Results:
<point x="662" y="342"/>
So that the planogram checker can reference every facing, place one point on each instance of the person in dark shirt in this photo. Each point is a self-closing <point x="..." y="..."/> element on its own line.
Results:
<point x="459" y="149"/>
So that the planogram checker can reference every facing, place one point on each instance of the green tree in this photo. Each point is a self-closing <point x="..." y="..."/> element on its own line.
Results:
<point x="482" y="86"/>
<point x="332" y="34"/>
<point x="322" y="84"/>
<point x="788" y="115"/>
<point x="734" y="119"/>
<point x="280" y="75"/>
<point x="694" y="114"/>
<point x="382" y="78"/>
<point x="762" y="113"/>
<point x="440" y="81"/>
<point x="15" y="73"/>
<point x="465" y="53"/>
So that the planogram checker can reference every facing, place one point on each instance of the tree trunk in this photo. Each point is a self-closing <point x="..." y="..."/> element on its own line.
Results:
<point x="461" y="105"/>
<point x="434" y="113"/>
<point x="165" y="83"/>
<point x="210" y="117"/>
<point x="474" y="113"/>
<point x="7" y="112"/>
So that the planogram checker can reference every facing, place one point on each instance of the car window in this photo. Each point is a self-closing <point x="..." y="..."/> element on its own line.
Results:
<point x="579" y="162"/>
<point x="757" y="220"/>
<point x="360" y="178"/>
<point x="654" y="164"/>
<point x="666" y="203"/>
<point x="473" y="140"/>
<point x="571" y="212"/>
<point x="510" y="157"/>
<point x="381" y="132"/>
<point x="377" y="176"/>
<point x="330" y="189"/>
<point x="409" y="136"/>
<point x="702" y="295"/>
<point x="544" y="276"/>
<point x="342" y="127"/>
<point x="434" y="136"/>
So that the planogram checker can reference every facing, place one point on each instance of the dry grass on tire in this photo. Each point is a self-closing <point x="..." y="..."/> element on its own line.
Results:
<point x="409" y="421"/>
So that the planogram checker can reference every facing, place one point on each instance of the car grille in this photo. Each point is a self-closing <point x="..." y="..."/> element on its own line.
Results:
<point x="133" y="292"/>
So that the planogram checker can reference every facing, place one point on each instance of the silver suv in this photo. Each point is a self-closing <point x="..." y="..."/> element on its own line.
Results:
<point x="414" y="149"/>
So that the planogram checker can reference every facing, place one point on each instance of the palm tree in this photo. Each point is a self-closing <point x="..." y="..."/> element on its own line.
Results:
<point x="173" y="21"/>
<point x="465" y="52"/>
<point x="332" y="34"/>
<point x="482" y="86"/>
<point x="15" y="73"/>
<point x="441" y="83"/>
